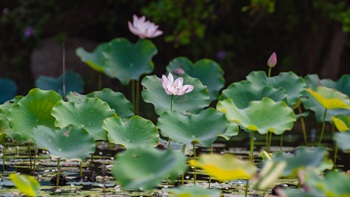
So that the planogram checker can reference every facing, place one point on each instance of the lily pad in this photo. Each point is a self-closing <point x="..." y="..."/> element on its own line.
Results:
<point x="127" y="61"/>
<point x="343" y="140"/>
<point x="195" y="191"/>
<point x="144" y="168"/>
<point x="341" y="122"/>
<point x="26" y="184"/>
<point x="94" y="59"/>
<point x="88" y="115"/>
<point x="134" y="132"/>
<point x="192" y="102"/>
<point x="208" y="71"/>
<point x="32" y="110"/>
<point x="243" y="92"/>
<point x="74" y="82"/>
<point x="304" y="158"/>
<point x="202" y="128"/>
<point x="71" y="142"/>
<point x="263" y="116"/>
<point x="292" y="84"/>
<point x="8" y="89"/>
<point x="225" y="167"/>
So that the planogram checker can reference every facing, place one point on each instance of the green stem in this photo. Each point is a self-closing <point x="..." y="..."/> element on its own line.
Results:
<point x="281" y="141"/>
<point x="269" y="72"/>
<point x="246" y="188"/>
<point x="183" y="174"/>
<point x="211" y="152"/>
<point x="30" y="157"/>
<point x="35" y="157"/>
<point x="323" y="126"/>
<point x="4" y="157"/>
<point x="195" y="168"/>
<point x="137" y="93"/>
<point x="335" y="155"/>
<point x="267" y="142"/>
<point x="81" y="169"/>
<point x="58" y="173"/>
<point x="133" y="96"/>
<point x="303" y="125"/>
<point x="171" y="102"/>
<point x="251" y="156"/>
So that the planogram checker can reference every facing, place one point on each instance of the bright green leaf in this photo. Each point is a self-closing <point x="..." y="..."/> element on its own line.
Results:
<point x="94" y="59"/>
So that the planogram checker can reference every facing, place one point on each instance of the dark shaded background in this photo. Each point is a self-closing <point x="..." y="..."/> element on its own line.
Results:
<point x="309" y="36"/>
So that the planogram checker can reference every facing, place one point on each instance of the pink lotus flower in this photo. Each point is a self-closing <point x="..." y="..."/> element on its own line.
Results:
<point x="175" y="87"/>
<point x="144" y="29"/>
<point x="271" y="62"/>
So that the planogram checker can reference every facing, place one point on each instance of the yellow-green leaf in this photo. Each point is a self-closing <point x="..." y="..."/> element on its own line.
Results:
<point x="341" y="122"/>
<point x="330" y="98"/>
<point x="26" y="184"/>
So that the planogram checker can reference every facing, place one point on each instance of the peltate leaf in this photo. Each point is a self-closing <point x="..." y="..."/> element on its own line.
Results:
<point x="94" y="59"/>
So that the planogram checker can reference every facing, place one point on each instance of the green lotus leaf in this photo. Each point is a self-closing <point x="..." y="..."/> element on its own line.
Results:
<point x="342" y="85"/>
<point x="292" y="84"/>
<point x="133" y="132"/>
<point x="208" y="71"/>
<point x="144" y="168"/>
<point x="231" y="130"/>
<point x="304" y="158"/>
<point x="192" y="102"/>
<point x="243" y="92"/>
<point x="202" y="128"/>
<point x="26" y="184"/>
<point x="343" y="140"/>
<point x="75" y="97"/>
<point x="225" y="167"/>
<point x="194" y="191"/>
<point x="88" y="115"/>
<point x="333" y="183"/>
<point x="32" y="110"/>
<point x="4" y="108"/>
<point x="74" y="82"/>
<point x="262" y="116"/>
<point x="127" y="61"/>
<point x="330" y="98"/>
<point x="341" y="122"/>
<point x="94" y="59"/>
<point x="8" y="89"/>
<point x="116" y="101"/>
<point x="71" y="142"/>
<point x="269" y="174"/>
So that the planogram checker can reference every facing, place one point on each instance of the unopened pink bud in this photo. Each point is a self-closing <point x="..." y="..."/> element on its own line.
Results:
<point x="271" y="62"/>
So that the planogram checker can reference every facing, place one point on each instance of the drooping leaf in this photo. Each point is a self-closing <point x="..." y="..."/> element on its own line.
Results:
<point x="88" y="115"/>
<point x="262" y="116"/>
<point x="292" y="84"/>
<point x="202" y="128"/>
<point x="127" y="61"/>
<point x="134" y="132"/>
<point x="330" y="98"/>
<point x="269" y="174"/>
<point x="341" y="122"/>
<point x="144" y="168"/>
<point x="71" y="142"/>
<point x="343" y="140"/>
<point x="26" y="184"/>
<point x="8" y="89"/>
<point x="342" y="85"/>
<point x="225" y="167"/>
<point x="304" y="158"/>
<point x="207" y="71"/>
<point x="94" y="59"/>
<point x="192" y="102"/>
<point x="194" y="191"/>
<point x="32" y="110"/>
<point x="243" y="92"/>
<point x="73" y="81"/>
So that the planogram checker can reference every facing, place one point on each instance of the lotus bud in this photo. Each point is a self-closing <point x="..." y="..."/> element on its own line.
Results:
<point x="271" y="62"/>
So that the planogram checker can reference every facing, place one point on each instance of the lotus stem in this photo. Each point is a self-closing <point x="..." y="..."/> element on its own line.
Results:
<point x="171" y="102"/>
<point x="281" y="141"/>
<point x="211" y="152"/>
<point x="194" y="168"/>
<point x="183" y="174"/>
<point x="30" y="157"/>
<point x="137" y="97"/>
<point x="58" y="173"/>
<point x="251" y="155"/>
<point x="323" y="126"/>
<point x="4" y="157"/>
<point x="302" y="125"/>
<point x="270" y="139"/>
<point x="64" y="72"/>
<point x="133" y="96"/>
<point x="267" y="142"/>
<point x="269" y="72"/>
<point x="81" y="169"/>
<point x="35" y="157"/>
<point x="246" y="188"/>
<point x="335" y="155"/>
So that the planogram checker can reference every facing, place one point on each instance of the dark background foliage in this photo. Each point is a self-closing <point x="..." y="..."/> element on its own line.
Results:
<point x="309" y="36"/>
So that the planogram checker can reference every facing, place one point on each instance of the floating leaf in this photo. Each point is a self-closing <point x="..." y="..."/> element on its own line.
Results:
<point x="243" y="92"/>
<point x="116" y="101"/>
<point x="302" y="159"/>
<point x="26" y="184"/>
<point x="74" y="82"/>
<point x="292" y="84"/>
<point x="88" y="115"/>
<point x="262" y="116"/>
<point x="194" y="191"/>
<point x="8" y="89"/>
<point x="94" y="59"/>
<point x="134" y="132"/>
<point x="192" y="102"/>
<point x="32" y="110"/>
<point x="206" y="70"/>
<point x="71" y="142"/>
<point x="225" y="167"/>
<point x="202" y="128"/>
<point x="341" y="122"/>
<point x="343" y="140"/>
<point x="144" y="168"/>
<point x="127" y="61"/>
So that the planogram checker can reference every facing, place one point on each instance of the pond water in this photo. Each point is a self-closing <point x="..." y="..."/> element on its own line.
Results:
<point x="97" y="180"/>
